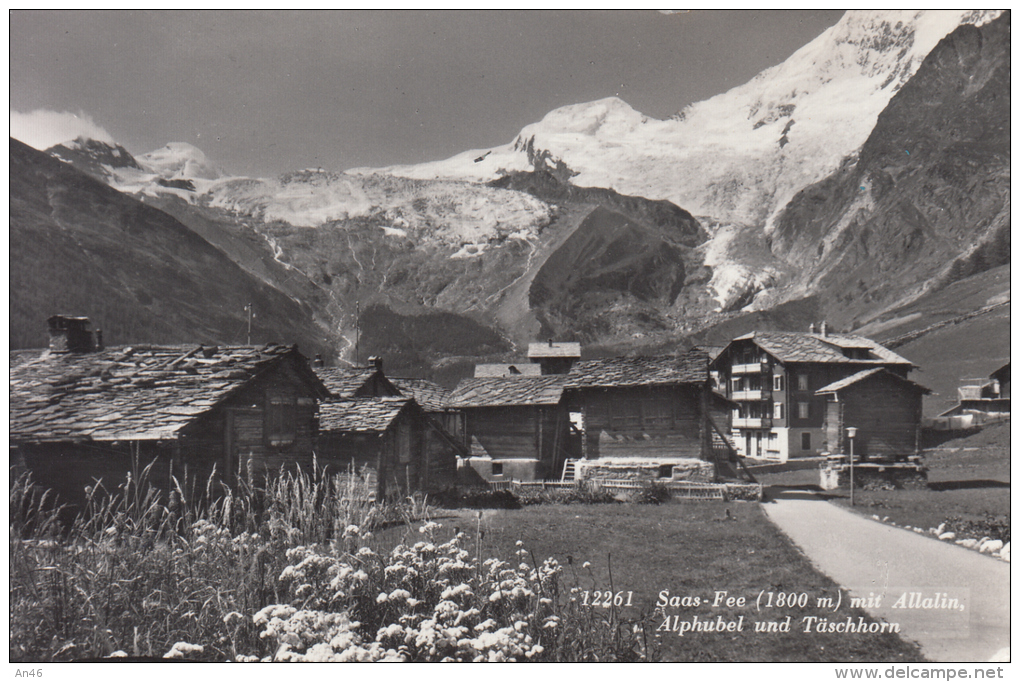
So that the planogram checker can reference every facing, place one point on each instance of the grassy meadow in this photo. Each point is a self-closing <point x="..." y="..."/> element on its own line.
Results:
<point x="307" y="569"/>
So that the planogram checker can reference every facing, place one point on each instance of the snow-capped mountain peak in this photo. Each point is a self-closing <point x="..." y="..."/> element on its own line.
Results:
<point x="96" y="156"/>
<point x="740" y="156"/>
<point x="180" y="160"/>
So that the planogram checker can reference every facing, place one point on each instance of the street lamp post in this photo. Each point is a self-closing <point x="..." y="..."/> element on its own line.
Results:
<point x="851" y="433"/>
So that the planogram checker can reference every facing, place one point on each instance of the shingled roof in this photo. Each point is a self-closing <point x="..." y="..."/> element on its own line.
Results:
<point x="660" y="370"/>
<point x="807" y="347"/>
<point x="361" y="415"/>
<point x="491" y="370"/>
<point x="432" y="397"/>
<point x="131" y="393"/>
<point x="837" y="386"/>
<point x="509" y="391"/>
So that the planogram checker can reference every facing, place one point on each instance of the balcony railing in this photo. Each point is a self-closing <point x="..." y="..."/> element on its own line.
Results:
<point x="747" y="395"/>
<point x="754" y="368"/>
<point x="752" y="422"/>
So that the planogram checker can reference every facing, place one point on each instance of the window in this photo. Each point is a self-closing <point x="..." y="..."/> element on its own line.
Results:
<point x="802" y="382"/>
<point x="281" y="420"/>
<point x="803" y="410"/>
<point x="777" y="411"/>
<point x="777" y="382"/>
<point x="805" y="441"/>
<point x="497" y="468"/>
<point x="665" y="471"/>
<point x="736" y="383"/>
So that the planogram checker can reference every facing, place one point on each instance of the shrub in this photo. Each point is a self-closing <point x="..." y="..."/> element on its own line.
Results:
<point x="585" y="492"/>
<point x="989" y="525"/>
<point x="475" y="498"/>
<point x="655" y="493"/>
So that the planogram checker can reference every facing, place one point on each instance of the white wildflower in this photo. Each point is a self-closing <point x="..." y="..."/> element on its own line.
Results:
<point x="182" y="649"/>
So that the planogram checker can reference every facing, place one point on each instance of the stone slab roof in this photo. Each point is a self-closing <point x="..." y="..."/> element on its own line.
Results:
<point x="129" y="393"/>
<point x="689" y="368"/>
<point x="508" y="392"/>
<point x="528" y="369"/>
<point x="837" y="386"/>
<point x="432" y="397"/>
<point x="807" y="347"/>
<point x="557" y="349"/>
<point x="344" y="382"/>
<point x="361" y="415"/>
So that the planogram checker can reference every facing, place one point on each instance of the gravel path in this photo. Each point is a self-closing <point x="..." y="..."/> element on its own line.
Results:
<point x="869" y="558"/>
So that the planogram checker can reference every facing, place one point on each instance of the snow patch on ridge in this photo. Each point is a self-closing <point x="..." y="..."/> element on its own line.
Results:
<point x="742" y="155"/>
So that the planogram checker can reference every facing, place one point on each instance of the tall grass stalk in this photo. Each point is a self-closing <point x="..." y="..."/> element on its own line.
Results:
<point x="140" y="568"/>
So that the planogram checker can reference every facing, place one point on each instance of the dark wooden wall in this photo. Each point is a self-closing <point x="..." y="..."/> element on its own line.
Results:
<point x="239" y="433"/>
<point x="643" y="421"/>
<point x="521" y="432"/>
<point x="886" y="412"/>
<point x="68" y="468"/>
<point x="411" y="456"/>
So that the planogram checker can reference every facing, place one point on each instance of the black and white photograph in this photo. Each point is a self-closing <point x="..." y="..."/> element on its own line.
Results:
<point x="562" y="336"/>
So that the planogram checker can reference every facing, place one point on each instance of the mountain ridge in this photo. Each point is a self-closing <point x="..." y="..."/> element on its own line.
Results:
<point x="528" y="240"/>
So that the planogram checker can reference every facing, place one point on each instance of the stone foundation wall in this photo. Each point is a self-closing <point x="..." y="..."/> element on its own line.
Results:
<point x="512" y="469"/>
<point x="869" y="477"/>
<point x="694" y="470"/>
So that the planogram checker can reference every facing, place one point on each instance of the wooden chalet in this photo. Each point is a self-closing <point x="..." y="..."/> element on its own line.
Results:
<point x="774" y="378"/>
<point x="516" y="428"/>
<point x="884" y="407"/>
<point x="651" y="408"/>
<point x="388" y="437"/>
<point x="81" y="413"/>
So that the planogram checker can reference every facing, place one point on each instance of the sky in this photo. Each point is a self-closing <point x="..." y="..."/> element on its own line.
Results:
<point x="262" y="93"/>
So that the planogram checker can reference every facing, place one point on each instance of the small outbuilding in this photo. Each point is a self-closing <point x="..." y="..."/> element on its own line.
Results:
<point x="386" y="437"/>
<point x="554" y="357"/>
<point x="516" y="428"/>
<point x="884" y="407"/>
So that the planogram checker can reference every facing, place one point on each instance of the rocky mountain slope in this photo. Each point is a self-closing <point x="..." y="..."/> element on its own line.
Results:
<point x="869" y="167"/>
<point x="925" y="201"/>
<point x="79" y="247"/>
<point x="736" y="159"/>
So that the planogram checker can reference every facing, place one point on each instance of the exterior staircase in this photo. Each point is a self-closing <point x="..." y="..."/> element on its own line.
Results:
<point x="726" y="456"/>
<point x="569" y="471"/>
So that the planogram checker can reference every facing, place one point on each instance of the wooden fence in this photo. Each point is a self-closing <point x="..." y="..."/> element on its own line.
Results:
<point x="681" y="490"/>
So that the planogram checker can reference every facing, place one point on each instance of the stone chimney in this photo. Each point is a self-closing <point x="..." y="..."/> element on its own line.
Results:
<point x="317" y="363"/>
<point x="72" y="335"/>
<point x="825" y="329"/>
<point x="811" y="329"/>
<point x="375" y="361"/>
